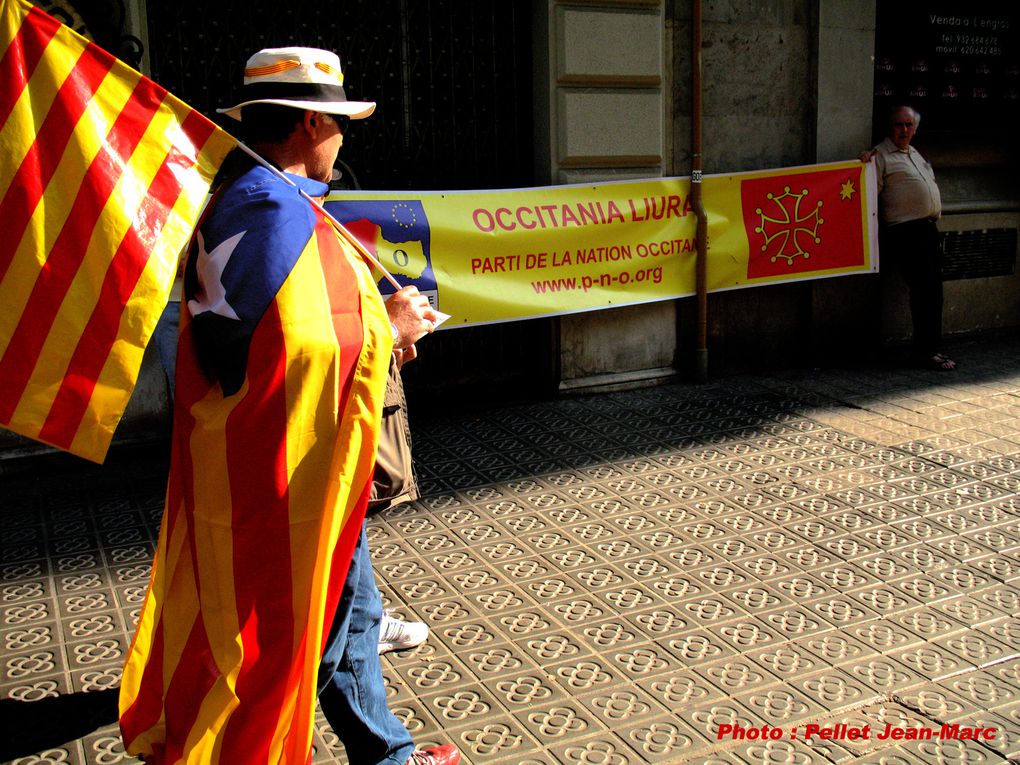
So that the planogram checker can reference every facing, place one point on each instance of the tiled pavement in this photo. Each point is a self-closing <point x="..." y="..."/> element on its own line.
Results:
<point x="610" y="579"/>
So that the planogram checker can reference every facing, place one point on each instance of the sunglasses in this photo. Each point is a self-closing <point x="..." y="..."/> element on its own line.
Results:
<point x="342" y="121"/>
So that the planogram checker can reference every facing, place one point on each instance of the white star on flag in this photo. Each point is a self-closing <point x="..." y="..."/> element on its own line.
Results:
<point x="212" y="296"/>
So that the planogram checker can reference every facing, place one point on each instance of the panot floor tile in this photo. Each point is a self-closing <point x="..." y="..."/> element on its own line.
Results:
<point x="795" y="568"/>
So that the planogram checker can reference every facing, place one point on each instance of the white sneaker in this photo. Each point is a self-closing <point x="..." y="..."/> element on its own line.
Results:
<point x="397" y="635"/>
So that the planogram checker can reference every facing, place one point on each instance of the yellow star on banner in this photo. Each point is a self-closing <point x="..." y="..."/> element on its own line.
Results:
<point x="847" y="191"/>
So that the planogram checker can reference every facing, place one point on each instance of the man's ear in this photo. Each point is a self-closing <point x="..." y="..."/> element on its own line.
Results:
<point x="311" y="122"/>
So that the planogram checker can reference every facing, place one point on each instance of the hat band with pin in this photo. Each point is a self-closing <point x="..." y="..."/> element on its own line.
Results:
<point x="311" y="91"/>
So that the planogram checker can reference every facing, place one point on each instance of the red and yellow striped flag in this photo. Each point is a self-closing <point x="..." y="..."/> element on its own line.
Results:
<point x="102" y="176"/>
<point x="281" y="369"/>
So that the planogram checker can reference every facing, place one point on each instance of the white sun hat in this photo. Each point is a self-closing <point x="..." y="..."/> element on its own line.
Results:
<point x="305" y="78"/>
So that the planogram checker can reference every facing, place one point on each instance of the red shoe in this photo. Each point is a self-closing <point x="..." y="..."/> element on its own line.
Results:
<point x="447" y="754"/>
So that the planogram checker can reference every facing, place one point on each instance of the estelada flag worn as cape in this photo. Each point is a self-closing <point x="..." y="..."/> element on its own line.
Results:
<point x="282" y="361"/>
<point x="102" y="176"/>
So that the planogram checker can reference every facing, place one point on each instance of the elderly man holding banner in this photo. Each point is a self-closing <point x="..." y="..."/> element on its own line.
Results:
<point x="909" y="205"/>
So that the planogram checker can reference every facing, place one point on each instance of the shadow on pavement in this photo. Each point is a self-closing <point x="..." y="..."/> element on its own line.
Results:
<point x="29" y="727"/>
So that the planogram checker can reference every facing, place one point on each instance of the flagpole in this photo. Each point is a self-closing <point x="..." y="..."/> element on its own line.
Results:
<point x="340" y="227"/>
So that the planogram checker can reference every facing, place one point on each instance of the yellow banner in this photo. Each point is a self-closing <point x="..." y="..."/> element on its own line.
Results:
<point x="492" y="256"/>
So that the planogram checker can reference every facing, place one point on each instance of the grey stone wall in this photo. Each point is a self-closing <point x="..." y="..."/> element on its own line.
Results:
<point x="758" y="91"/>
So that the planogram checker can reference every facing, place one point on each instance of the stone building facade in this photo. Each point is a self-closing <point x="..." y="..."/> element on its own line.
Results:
<point x="785" y="83"/>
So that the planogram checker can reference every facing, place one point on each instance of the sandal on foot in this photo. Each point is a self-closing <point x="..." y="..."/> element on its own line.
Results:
<point x="940" y="362"/>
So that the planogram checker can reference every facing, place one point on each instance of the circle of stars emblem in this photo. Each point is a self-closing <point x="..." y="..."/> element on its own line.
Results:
<point x="404" y="216"/>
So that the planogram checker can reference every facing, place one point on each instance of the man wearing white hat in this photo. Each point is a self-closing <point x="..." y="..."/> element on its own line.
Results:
<point x="262" y="595"/>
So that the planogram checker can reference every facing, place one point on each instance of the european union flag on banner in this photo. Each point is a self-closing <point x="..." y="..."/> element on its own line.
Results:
<point x="397" y="233"/>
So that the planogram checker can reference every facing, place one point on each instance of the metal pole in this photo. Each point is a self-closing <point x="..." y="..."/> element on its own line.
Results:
<point x="701" y="261"/>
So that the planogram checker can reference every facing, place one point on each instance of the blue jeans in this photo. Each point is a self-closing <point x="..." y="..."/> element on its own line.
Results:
<point x="165" y="336"/>
<point x="351" y="689"/>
